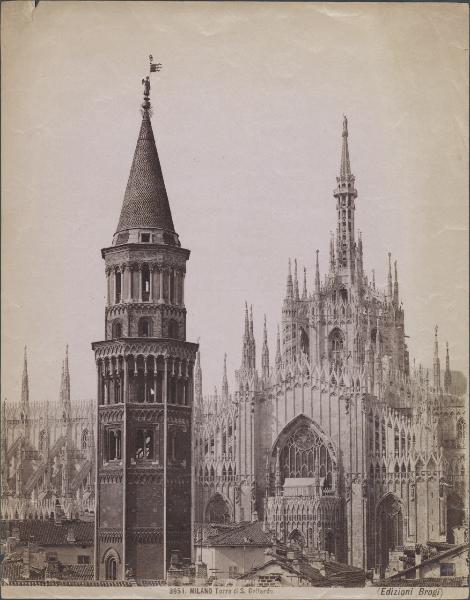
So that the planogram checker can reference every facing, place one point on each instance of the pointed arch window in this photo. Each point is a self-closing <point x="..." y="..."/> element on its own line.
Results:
<point x="336" y="343"/>
<point x="42" y="440"/>
<point x="117" y="329"/>
<point x="111" y="568"/>
<point x="84" y="439"/>
<point x="145" y="327"/>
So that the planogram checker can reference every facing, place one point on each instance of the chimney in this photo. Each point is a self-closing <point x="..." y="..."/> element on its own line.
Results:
<point x="71" y="535"/>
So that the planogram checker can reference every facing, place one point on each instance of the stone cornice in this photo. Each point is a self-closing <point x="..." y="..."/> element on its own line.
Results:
<point x="164" y="347"/>
<point x="127" y="249"/>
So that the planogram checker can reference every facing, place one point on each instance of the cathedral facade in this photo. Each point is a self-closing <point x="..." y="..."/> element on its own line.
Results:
<point x="47" y="455"/>
<point x="341" y="446"/>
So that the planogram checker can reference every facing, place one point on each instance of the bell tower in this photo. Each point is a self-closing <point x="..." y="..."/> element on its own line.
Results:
<point x="145" y="383"/>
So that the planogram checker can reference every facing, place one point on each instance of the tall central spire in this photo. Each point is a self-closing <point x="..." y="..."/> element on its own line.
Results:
<point x="146" y="205"/>
<point x="345" y="194"/>
<point x="345" y="169"/>
<point x="25" y="383"/>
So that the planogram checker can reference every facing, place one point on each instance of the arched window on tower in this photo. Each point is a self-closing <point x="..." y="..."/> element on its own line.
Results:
<point x="145" y="327"/>
<point x="117" y="283"/>
<point x="172" y="329"/>
<point x="42" y="440"/>
<point x="117" y="329"/>
<point x="171" y="291"/>
<point x="343" y="293"/>
<point x="145" y="283"/>
<point x="111" y="568"/>
<point x="461" y="433"/>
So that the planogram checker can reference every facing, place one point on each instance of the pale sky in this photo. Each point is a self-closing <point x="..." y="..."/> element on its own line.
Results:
<point x="247" y="116"/>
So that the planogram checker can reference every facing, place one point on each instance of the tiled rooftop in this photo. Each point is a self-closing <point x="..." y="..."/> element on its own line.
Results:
<point x="233" y="534"/>
<point x="145" y="201"/>
<point x="47" y="533"/>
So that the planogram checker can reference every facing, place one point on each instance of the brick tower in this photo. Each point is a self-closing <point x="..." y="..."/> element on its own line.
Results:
<point x="145" y="383"/>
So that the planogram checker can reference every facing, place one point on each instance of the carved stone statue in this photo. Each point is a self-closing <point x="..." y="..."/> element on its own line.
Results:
<point x="146" y="84"/>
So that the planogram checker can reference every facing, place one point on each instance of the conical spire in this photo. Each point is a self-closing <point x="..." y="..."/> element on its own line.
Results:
<point x="373" y="279"/>
<point x="265" y="351"/>
<point x="289" y="287"/>
<point x="198" y="379"/>
<point x="247" y="322"/>
<point x="447" y="374"/>
<point x="146" y="202"/>
<point x="317" y="275"/>
<point x="65" y="383"/>
<point x="332" y="253"/>
<point x="249" y="346"/>
<point x="395" y="285"/>
<point x="377" y="339"/>
<point x="25" y="383"/>
<point x="252" y="341"/>
<point x="389" y="279"/>
<point x="278" y="349"/>
<point x="436" y="363"/>
<point x="345" y="169"/>
<point x="304" y="290"/>
<point x="296" y="281"/>
<point x="224" y="378"/>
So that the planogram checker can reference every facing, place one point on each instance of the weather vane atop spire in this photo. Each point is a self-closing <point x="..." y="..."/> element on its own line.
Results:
<point x="154" y="67"/>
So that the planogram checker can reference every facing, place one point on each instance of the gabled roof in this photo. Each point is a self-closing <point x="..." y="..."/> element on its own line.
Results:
<point x="301" y="570"/>
<point x="145" y="200"/>
<point x="454" y="551"/>
<point x="239" y="534"/>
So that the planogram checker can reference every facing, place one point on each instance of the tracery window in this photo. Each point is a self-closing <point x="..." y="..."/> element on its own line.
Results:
<point x="304" y="454"/>
<point x="84" y="439"/>
<point x="42" y="440"/>
<point x="336" y="346"/>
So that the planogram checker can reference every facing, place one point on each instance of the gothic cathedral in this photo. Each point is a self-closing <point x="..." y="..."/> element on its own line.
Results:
<point x="340" y="448"/>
